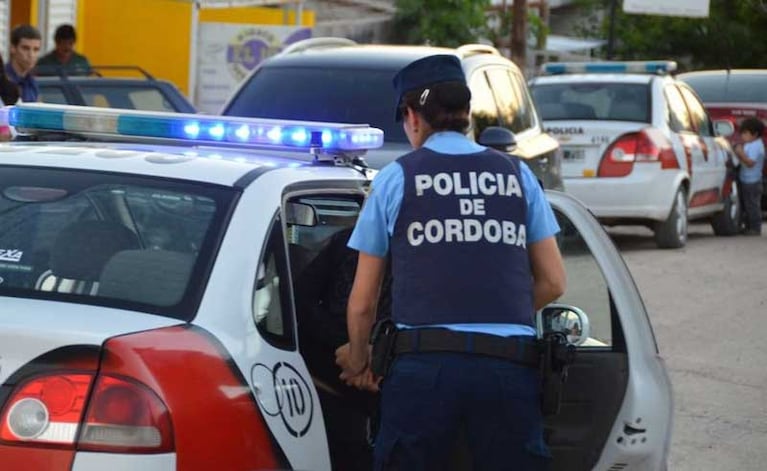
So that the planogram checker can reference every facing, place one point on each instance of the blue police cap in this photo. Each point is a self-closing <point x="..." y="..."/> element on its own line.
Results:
<point x="423" y="72"/>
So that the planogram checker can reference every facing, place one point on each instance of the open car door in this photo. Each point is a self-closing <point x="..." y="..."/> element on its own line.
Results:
<point x="616" y="405"/>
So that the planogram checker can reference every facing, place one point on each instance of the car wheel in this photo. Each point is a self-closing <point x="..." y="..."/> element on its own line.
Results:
<point x="727" y="222"/>
<point x="672" y="233"/>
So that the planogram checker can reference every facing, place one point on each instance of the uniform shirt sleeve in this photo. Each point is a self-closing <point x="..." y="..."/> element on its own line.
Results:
<point x="541" y="222"/>
<point x="375" y="224"/>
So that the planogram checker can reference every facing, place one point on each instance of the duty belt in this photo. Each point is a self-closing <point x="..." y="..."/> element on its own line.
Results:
<point x="521" y="349"/>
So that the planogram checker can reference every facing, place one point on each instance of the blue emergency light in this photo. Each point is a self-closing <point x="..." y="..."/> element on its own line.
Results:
<point x="193" y="128"/>
<point x="615" y="67"/>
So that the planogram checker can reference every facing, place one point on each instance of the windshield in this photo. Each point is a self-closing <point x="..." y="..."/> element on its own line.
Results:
<point x="315" y="94"/>
<point x="593" y="101"/>
<point x="732" y="88"/>
<point x="114" y="240"/>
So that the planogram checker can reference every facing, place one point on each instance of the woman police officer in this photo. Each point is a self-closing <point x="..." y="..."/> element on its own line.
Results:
<point x="473" y="256"/>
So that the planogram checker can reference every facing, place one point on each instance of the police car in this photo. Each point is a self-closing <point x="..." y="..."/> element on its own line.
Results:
<point x="148" y="316"/>
<point x="639" y="148"/>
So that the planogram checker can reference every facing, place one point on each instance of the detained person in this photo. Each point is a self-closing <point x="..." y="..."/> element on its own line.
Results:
<point x="473" y="256"/>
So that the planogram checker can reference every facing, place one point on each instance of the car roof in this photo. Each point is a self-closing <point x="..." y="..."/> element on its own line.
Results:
<point x="698" y="73"/>
<point x="87" y="80"/>
<point x="593" y="78"/>
<point x="219" y="166"/>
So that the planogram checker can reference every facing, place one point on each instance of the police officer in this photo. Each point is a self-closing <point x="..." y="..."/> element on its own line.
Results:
<point x="473" y="256"/>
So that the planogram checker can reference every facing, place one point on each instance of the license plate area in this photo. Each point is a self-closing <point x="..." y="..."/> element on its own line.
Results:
<point x="574" y="154"/>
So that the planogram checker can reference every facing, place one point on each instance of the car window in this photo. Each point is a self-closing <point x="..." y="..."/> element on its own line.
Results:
<point x="733" y="88"/>
<point x="272" y="311"/>
<point x="593" y="101"/>
<point x="525" y="109"/>
<point x="678" y="116"/>
<point x="136" y="98"/>
<point x="512" y="108"/>
<point x="484" y="111"/>
<point x="321" y="94"/>
<point x="587" y="287"/>
<point x="105" y="239"/>
<point x="53" y="94"/>
<point x="698" y="114"/>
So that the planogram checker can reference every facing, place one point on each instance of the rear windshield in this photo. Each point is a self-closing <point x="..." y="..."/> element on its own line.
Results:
<point x="128" y="97"/>
<point x="593" y="101"/>
<point x="732" y="88"/>
<point x="316" y="94"/>
<point x="120" y="241"/>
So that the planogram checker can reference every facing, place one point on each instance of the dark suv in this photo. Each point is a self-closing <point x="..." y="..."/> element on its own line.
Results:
<point x="337" y="80"/>
<point x="142" y="92"/>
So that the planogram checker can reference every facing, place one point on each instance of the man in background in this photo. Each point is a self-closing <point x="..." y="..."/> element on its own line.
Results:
<point x="25" y="49"/>
<point x="64" y="59"/>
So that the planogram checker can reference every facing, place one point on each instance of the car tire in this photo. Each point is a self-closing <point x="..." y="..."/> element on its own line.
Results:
<point x="672" y="233"/>
<point x="727" y="222"/>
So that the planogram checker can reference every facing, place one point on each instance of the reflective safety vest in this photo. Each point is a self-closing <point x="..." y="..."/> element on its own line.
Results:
<point x="459" y="249"/>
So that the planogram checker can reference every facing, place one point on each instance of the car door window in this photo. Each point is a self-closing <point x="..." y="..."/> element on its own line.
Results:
<point x="272" y="306"/>
<point x="135" y="98"/>
<point x="697" y="113"/>
<point x="53" y="95"/>
<point x="524" y="118"/>
<point x="587" y="287"/>
<point x="678" y="116"/>
<point x="484" y="111"/>
<point x="507" y="101"/>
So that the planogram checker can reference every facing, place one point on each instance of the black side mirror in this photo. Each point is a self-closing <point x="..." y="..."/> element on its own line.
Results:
<point x="498" y="138"/>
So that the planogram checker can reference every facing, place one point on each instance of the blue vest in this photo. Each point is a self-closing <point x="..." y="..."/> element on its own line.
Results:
<point x="459" y="251"/>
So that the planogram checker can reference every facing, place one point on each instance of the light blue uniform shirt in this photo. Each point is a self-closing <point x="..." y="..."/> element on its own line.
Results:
<point x="375" y="225"/>
<point x="754" y="150"/>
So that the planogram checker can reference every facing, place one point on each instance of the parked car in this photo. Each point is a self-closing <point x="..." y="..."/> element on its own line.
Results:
<point x="149" y="321"/>
<point x="138" y="93"/>
<point x="732" y="95"/>
<point x="337" y="80"/>
<point x="639" y="148"/>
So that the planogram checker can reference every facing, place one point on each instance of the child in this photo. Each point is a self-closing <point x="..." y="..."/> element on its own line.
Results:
<point x="751" y="155"/>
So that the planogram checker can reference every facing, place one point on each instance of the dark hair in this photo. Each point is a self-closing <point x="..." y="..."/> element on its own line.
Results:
<point x="753" y="125"/>
<point x="65" y="32"/>
<point x="445" y="105"/>
<point x="24" y="32"/>
<point x="9" y="91"/>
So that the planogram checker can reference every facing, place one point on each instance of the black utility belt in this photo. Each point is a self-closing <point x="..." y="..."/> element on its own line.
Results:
<point x="524" y="350"/>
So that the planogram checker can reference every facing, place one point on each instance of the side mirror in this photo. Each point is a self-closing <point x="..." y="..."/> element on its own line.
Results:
<point x="300" y="214"/>
<point x="498" y="138"/>
<point x="724" y="127"/>
<point x="568" y="320"/>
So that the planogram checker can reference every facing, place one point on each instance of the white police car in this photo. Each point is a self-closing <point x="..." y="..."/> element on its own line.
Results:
<point x="638" y="147"/>
<point x="148" y="317"/>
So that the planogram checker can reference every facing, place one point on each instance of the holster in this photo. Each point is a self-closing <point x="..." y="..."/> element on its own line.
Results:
<point x="556" y="356"/>
<point x="382" y="338"/>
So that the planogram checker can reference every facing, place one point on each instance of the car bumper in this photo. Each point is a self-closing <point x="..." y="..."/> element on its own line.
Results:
<point x="647" y="193"/>
<point x="86" y="461"/>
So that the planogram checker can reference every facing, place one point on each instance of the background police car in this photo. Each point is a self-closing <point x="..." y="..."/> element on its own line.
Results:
<point x="181" y="352"/>
<point x="638" y="147"/>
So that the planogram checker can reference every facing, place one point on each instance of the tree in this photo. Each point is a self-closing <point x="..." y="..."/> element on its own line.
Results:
<point x="448" y="23"/>
<point x="730" y="37"/>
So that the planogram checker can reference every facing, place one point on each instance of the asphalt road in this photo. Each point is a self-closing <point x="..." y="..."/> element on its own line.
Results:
<point x="708" y="306"/>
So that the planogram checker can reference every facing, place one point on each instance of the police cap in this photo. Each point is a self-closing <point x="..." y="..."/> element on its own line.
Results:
<point x="423" y="72"/>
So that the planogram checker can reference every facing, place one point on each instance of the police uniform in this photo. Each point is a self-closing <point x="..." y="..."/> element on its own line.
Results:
<point x="456" y="219"/>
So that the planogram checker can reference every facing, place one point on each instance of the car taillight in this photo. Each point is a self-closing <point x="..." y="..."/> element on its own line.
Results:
<point x="647" y="145"/>
<point x="125" y="416"/>
<point x="46" y="410"/>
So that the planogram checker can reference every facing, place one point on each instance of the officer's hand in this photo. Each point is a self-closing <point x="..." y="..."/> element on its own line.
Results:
<point x="342" y="356"/>
<point x="366" y="381"/>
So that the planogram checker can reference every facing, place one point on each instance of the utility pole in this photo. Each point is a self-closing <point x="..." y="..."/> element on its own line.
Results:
<point x="519" y="33"/>
<point x="540" y="43"/>
<point x="611" y="37"/>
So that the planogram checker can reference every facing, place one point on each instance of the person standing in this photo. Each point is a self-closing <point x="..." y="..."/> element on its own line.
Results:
<point x="473" y="256"/>
<point x="64" y="58"/>
<point x="751" y="155"/>
<point x="25" y="48"/>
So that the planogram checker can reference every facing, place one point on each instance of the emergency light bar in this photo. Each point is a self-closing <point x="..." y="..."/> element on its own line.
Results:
<point x="198" y="129"/>
<point x="615" y="67"/>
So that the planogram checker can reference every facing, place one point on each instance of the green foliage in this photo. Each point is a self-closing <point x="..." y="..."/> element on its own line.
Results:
<point x="732" y="35"/>
<point x="448" y="23"/>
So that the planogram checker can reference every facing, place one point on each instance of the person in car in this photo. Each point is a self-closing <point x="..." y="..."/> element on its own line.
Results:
<point x="64" y="58"/>
<point x="25" y="47"/>
<point x="473" y="256"/>
<point x="751" y="155"/>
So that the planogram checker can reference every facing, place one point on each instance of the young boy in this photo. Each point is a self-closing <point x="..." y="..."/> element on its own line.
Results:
<point x="751" y="155"/>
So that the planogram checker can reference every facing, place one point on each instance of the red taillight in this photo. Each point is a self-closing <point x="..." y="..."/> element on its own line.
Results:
<point x="125" y="416"/>
<point x="46" y="410"/>
<point x="647" y="145"/>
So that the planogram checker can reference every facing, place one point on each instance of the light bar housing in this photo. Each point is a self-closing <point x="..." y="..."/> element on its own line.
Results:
<point x="119" y="124"/>
<point x="609" y="67"/>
